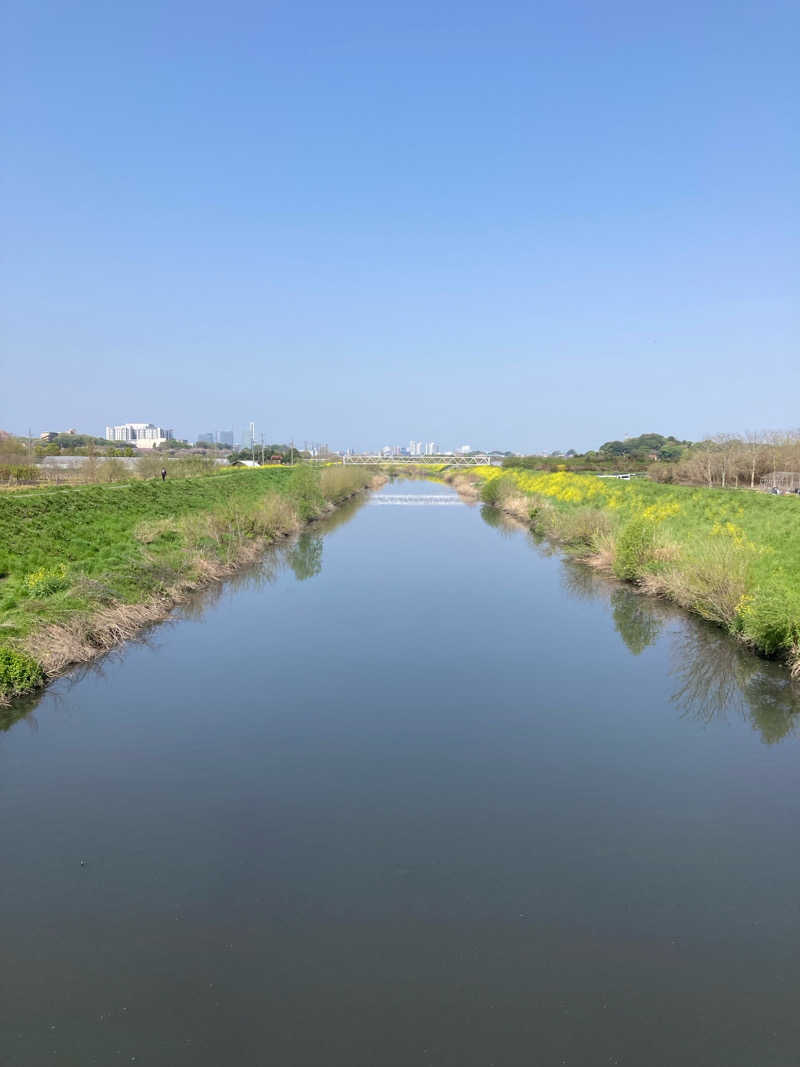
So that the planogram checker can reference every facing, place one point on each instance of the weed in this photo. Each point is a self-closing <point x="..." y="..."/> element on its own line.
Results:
<point x="18" y="672"/>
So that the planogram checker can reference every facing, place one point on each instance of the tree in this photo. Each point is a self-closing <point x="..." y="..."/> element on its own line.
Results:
<point x="670" y="452"/>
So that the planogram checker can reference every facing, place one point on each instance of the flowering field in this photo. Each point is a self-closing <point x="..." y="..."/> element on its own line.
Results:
<point x="732" y="556"/>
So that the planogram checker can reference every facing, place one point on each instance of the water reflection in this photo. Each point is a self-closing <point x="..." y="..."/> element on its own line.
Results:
<point x="636" y="623"/>
<point x="715" y="676"/>
<point x="638" y="620"/>
<point x="500" y="522"/>
<point x="305" y="556"/>
<point x="18" y="709"/>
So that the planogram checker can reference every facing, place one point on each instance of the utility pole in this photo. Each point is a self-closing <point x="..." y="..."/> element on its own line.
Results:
<point x="262" y="450"/>
<point x="253" y="441"/>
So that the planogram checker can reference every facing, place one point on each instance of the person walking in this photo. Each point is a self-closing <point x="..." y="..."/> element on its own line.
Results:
<point x="163" y="474"/>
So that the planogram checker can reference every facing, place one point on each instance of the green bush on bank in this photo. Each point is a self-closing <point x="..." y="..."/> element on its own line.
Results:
<point x="496" y="490"/>
<point x="634" y="549"/>
<point x="18" y="672"/>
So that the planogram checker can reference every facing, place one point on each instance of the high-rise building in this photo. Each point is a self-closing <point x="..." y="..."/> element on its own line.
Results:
<point x="219" y="437"/>
<point x="140" y="434"/>
<point x="430" y="448"/>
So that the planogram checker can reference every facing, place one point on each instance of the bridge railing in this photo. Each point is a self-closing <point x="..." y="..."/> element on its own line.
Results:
<point x="480" y="459"/>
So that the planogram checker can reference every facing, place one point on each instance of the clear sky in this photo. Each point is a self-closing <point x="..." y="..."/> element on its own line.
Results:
<point x="510" y="224"/>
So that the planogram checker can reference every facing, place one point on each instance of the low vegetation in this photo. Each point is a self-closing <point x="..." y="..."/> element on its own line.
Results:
<point x="632" y="455"/>
<point x="738" y="461"/>
<point x="731" y="557"/>
<point x="83" y="569"/>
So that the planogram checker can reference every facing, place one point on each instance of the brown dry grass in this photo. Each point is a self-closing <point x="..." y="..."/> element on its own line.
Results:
<point x="580" y="527"/>
<point x="82" y="638"/>
<point x="604" y="554"/>
<point x="466" y="485"/>
<point x="710" y="582"/>
<point x="518" y="507"/>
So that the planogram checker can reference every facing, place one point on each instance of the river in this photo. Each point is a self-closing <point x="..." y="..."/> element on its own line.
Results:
<point x="416" y="791"/>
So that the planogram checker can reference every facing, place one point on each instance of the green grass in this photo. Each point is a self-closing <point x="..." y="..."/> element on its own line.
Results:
<point x="90" y="529"/>
<point x="67" y="553"/>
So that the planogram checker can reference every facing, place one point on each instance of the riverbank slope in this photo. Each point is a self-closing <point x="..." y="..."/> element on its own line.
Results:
<point x="83" y="569"/>
<point x="731" y="556"/>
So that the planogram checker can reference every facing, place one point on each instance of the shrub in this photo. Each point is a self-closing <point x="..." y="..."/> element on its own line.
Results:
<point x="581" y="526"/>
<point x="25" y="473"/>
<point x="18" y="672"/>
<point x="276" y="516"/>
<point x="339" y="482"/>
<point x="304" y="491"/>
<point x="494" y="491"/>
<point x="634" y="549"/>
<point x="770" y="618"/>
<point x="19" y="473"/>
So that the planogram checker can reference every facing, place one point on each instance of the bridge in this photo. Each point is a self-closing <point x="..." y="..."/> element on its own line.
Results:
<point x="478" y="459"/>
<point x="417" y="500"/>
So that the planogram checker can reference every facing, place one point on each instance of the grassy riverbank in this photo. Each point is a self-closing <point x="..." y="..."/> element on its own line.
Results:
<point x="731" y="556"/>
<point x="83" y="569"/>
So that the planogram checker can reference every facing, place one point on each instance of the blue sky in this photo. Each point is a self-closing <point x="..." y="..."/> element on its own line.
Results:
<point x="514" y="225"/>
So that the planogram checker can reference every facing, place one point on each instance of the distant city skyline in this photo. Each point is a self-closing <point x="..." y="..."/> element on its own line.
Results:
<point x="153" y="433"/>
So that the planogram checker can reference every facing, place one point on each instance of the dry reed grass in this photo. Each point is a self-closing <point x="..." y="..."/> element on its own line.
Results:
<point x="603" y="558"/>
<point x="580" y="527"/>
<point x="711" y="581"/>
<point x="58" y="646"/>
<point x="465" y="485"/>
<point x="518" y="507"/>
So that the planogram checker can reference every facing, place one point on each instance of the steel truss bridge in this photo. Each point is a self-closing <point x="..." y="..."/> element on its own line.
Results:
<point x="476" y="460"/>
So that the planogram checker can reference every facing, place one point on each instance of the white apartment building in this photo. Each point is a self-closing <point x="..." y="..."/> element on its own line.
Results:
<point x="139" y="434"/>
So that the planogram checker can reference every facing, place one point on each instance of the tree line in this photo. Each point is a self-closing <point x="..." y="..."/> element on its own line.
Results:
<point x="733" y="460"/>
<point x="727" y="460"/>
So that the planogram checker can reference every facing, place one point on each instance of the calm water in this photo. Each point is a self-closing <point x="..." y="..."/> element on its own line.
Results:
<point x="417" y="792"/>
